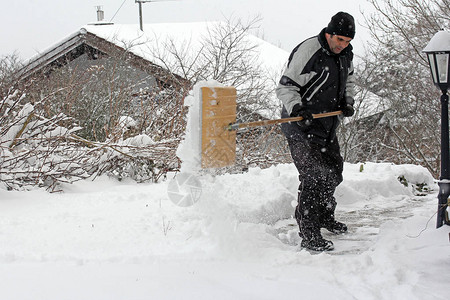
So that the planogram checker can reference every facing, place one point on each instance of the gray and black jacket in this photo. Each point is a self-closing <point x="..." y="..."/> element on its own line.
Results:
<point x="319" y="81"/>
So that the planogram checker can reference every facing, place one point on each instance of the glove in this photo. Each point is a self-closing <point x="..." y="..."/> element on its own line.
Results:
<point x="298" y="111"/>
<point x="348" y="110"/>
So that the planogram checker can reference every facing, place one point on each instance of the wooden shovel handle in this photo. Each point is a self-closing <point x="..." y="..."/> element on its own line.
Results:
<point x="279" y="121"/>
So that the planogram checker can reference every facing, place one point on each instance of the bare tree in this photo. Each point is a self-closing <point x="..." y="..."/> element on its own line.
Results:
<point x="228" y="53"/>
<point x="40" y="140"/>
<point x="396" y="71"/>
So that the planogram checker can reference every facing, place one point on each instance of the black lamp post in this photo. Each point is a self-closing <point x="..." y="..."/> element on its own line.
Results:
<point x="438" y="53"/>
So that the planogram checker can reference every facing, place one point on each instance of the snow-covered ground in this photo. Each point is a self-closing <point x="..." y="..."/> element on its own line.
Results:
<point x="122" y="240"/>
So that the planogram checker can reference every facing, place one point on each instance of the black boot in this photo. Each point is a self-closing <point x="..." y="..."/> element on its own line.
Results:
<point x="313" y="240"/>
<point x="327" y="217"/>
<point x="319" y="244"/>
<point x="336" y="227"/>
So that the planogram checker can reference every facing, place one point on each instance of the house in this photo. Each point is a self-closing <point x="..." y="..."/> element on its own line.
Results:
<point x="86" y="48"/>
<point x="157" y="50"/>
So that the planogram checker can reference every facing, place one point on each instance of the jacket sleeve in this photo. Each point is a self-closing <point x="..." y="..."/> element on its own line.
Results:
<point x="350" y="86"/>
<point x="294" y="77"/>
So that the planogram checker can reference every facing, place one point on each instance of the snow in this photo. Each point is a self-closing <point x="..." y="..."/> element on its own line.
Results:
<point x="440" y="42"/>
<point x="140" y="140"/>
<point x="122" y="240"/>
<point x="127" y="122"/>
<point x="186" y="37"/>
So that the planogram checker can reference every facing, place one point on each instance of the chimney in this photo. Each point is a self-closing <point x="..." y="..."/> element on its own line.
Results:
<point x="100" y="17"/>
<point x="100" y="14"/>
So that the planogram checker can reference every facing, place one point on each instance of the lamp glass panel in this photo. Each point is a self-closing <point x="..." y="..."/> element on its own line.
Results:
<point x="442" y="63"/>
<point x="432" y="63"/>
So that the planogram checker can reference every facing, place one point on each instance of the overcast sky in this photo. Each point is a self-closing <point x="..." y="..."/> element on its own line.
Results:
<point x="30" y="26"/>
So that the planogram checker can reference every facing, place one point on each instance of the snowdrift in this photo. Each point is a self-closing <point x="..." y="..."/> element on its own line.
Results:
<point x="122" y="240"/>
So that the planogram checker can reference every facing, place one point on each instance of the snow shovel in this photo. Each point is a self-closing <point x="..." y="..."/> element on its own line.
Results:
<point x="218" y="140"/>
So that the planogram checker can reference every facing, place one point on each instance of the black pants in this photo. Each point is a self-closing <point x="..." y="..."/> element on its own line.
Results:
<point x="320" y="172"/>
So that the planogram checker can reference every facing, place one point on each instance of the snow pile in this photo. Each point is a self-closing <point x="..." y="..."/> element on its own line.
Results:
<point x="140" y="140"/>
<point x="368" y="180"/>
<point x="110" y="240"/>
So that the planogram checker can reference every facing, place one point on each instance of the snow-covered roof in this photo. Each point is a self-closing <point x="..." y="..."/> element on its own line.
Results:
<point x="371" y="104"/>
<point x="185" y="36"/>
<point x="190" y="35"/>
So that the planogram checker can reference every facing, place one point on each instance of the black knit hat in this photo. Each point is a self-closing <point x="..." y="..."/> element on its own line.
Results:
<point x="343" y="24"/>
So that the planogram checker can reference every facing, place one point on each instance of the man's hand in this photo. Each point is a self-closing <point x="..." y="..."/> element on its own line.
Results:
<point x="348" y="110"/>
<point x="298" y="111"/>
